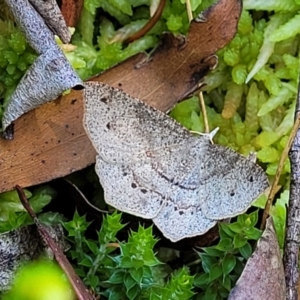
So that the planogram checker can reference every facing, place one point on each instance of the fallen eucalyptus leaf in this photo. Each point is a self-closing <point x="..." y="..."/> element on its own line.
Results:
<point x="263" y="276"/>
<point x="71" y="10"/>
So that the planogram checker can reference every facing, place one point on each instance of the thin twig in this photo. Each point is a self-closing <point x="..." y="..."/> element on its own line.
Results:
<point x="84" y="198"/>
<point x="113" y="245"/>
<point x="283" y="157"/>
<point x="78" y="286"/>
<point x="189" y="10"/>
<point x="149" y="25"/>
<point x="203" y="108"/>
<point x="292" y="235"/>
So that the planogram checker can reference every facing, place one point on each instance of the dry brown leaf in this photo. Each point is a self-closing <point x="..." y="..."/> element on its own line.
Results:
<point x="71" y="10"/>
<point x="50" y="141"/>
<point x="263" y="276"/>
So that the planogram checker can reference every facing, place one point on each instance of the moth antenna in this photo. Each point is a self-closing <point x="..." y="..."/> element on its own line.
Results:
<point x="210" y="135"/>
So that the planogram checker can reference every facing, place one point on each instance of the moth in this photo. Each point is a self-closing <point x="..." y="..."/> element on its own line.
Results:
<point x="152" y="167"/>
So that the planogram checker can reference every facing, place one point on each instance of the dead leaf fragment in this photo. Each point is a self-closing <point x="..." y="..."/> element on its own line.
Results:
<point x="35" y="90"/>
<point x="51" y="73"/>
<point x="263" y="276"/>
<point x="71" y="10"/>
<point x="53" y="17"/>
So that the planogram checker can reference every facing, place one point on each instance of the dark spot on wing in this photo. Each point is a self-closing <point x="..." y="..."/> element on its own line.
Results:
<point x="133" y="185"/>
<point x="104" y="100"/>
<point x="144" y="191"/>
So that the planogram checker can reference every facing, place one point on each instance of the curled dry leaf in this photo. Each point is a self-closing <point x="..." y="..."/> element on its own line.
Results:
<point x="52" y="137"/>
<point x="37" y="34"/>
<point x="50" y="74"/>
<point x="71" y="10"/>
<point x="53" y="17"/>
<point x="46" y="79"/>
<point x="263" y="276"/>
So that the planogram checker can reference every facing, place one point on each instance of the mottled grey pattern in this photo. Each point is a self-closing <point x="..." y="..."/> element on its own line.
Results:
<point x="21" y="245"/>
<point x="45" y="80"/>
<point x="49" y="76"/>
<point x="152" y="167"/>
<point x="51" y="14"/>
<point x="38" y="35"/>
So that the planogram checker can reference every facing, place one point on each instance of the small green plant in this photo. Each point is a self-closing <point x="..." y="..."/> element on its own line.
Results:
<point x="96" y="53"/>
<point x="223" y="263"/>
<point x="13" y="215"/>
<point x="131" y="269"/>
<point x="16" y="57"/>
<point x="178" y="287"/>
<point x="127" y="270"/>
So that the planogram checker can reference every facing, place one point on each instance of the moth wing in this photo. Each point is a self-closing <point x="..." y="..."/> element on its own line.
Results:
<point x="124" y="190"/>
<point x="182" y="216"/>
<point x="124" y="129"/>
<point x="231" y="183"/>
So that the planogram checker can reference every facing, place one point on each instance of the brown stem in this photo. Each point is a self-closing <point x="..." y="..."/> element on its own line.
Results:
<point x="292" y="240"/>
<point x="150" y="24"/>
<point x="274" y="187"/>
<point x="78" y="286"/>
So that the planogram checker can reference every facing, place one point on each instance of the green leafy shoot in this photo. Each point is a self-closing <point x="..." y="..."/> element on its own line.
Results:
<point x="13" y="215"/>
<point x="223" y="263"/>
<point x="124" y="270"/>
